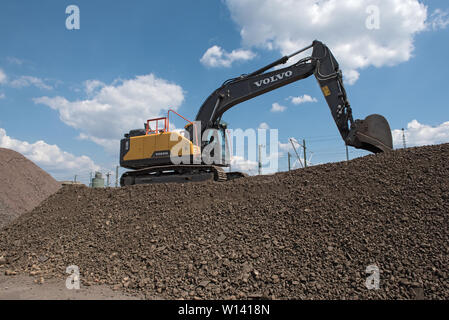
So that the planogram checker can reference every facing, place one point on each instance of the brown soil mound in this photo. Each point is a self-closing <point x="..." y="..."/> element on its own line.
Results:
<point x="23" y="185"/>
<point x="305" y="234"/>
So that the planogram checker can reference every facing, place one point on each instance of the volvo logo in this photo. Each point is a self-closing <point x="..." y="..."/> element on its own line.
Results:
<point x="161" y="154"/>
<point x="274" y="78"/>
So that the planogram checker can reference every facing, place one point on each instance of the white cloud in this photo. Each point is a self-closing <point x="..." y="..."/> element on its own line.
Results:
<point x="418" y="134"/>
<point x="14" y="60"/>
<point x="24" y="81"/>
<point x="290" y="25"/>
<point x="264" y="126"/>
<point x="27" y="81"/>
<point x="217" y="57"/>
<point x="112" y="110"/>
<point x="276" y="107"/>
<point x="241" y="164"/>
<point x="2" y="77"/>
<point x="351" y="76"/>
<point x="270" y="162"/>
<point x="439" y="19"/>
<point x="303" y="99"/>
<point x="92" y="85"/>
<point x="111" y="145"/>
<point x="286" y="147"/>
<point x="2" y="96"/>
<point x="51" y="158"/>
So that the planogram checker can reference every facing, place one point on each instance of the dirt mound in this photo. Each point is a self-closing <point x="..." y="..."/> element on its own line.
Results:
<point x="23" y="185"/>
<point x="305" y="234"/>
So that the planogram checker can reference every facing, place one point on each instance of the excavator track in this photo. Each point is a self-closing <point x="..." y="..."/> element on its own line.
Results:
<point x="174" y="174"/>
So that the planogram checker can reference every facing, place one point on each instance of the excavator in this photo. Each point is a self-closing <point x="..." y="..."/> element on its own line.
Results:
<point x="152" y="152"/>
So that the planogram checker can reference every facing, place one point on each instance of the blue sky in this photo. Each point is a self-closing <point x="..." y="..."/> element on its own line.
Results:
<point x="118" y="41"/>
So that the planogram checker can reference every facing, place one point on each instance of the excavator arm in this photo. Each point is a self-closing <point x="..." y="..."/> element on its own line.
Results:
<point x="148" y="154"/>
<point x="372" y="134"/>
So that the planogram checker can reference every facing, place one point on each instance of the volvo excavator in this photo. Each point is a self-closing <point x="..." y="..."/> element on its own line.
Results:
<point x="152" y="153"/>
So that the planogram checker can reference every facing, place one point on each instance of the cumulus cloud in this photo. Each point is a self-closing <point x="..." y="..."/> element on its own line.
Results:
<point x="90" y="86"/>
<point x="244" y="165"/>
<point x="27" y="81"/>
<point x="109" y="111"/>
<point x="276" y="107"/>
<point x="290" y="25"/>
<point x="303" y="99"/>
<point x="288" y="147"/>
<point x="439" y="19"/>
<point x="51" y="158"/>
<point x="217" y="57"/>
<point x="418" y="134"/>
<point x="264" y="126"/>
<point x="285" y="147"/>
<point x="2" y="77"/>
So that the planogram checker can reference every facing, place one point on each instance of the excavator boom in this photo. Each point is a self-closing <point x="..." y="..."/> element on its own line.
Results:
<point x="372" y="134"/>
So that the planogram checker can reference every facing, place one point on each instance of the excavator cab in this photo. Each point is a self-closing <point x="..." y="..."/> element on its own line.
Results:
<point x="154" y="126"/>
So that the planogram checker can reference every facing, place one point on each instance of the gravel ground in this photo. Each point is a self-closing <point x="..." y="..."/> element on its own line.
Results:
<point x="27" y="288"/>
<point x="23" y="185"/>
<point x="305" y="234"/>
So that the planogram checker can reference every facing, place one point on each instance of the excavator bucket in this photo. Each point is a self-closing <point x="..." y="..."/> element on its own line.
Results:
<point x="373" y="134"/>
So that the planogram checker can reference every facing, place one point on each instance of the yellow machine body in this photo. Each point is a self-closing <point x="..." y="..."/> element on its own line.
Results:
<point x="157" y="149"/>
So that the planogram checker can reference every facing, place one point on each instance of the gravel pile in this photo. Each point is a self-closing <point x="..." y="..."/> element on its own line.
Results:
<point x="305" y="234"/>
<point x="23" y="185"/>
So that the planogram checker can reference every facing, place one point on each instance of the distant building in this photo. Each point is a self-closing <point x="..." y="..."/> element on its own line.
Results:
<point x="98" y="181"/>
<point x="71" y="183"/>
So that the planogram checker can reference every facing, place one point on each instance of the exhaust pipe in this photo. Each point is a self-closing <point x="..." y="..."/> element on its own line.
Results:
<point x="372" y="134"/>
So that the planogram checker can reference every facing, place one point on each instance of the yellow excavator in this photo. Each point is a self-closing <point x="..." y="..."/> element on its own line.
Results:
<point x="157" y="155"/>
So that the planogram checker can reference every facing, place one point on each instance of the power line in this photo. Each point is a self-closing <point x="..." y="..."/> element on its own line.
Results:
<point x="322" y="137"/>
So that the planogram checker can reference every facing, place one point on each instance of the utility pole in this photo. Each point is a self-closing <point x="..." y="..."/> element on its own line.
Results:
<point x="260" y="159"/>
<point x="116" y="177"/>
<point x="297" y="155"/>
<point x="403" y="138"/>
<point x="108" y="175"/>
<point x="347" y="153"/>
<point x="289" y="162"/>
<point x="74" y="180"/>
<point x="305" y="156"/>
